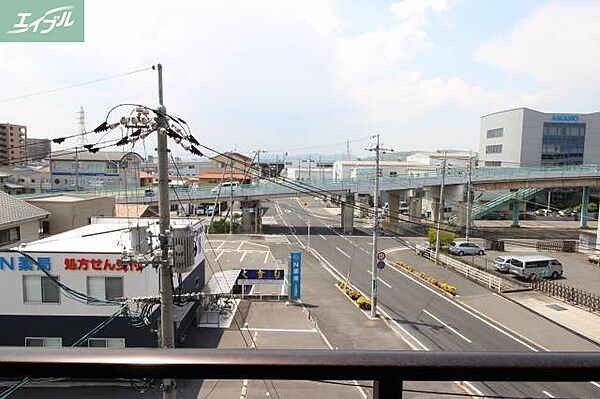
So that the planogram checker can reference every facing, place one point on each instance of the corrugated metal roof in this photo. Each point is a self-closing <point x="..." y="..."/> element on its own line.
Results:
<point x="13" y="210"/>
<point x="88" y="156"/>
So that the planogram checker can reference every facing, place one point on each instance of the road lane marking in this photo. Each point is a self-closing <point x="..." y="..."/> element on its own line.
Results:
<point x="380" y="279"/>
<point x="395" y="249"/>
<point x="240" y="246"/>
<point x="594" y="383"/>
<point x="447" y="326"/>
<point x="321" y="235"/>
<point x="335" y="273"/>
<point x="525" y="344"/>
<point x="220" y="245"/>
<point x="548" y="394"/>
<point x="219" y="255"/>
<point x="293" y="330"/>
<point x="266" y="258"/>
<point x="343" y="253"/>
<point x="243" y="256"/>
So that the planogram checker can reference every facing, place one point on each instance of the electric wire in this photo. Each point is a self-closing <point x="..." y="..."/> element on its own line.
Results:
<point x="75" y="85"/>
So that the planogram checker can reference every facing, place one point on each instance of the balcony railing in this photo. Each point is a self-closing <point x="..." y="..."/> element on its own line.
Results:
<point x="387" y="369"/>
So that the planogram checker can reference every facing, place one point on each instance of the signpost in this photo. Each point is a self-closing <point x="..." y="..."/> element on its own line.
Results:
<point x="261" y="276"/>
<point x="295" y="268"/>
<point x="380" y="265"/>
<point x="380" y="256"/>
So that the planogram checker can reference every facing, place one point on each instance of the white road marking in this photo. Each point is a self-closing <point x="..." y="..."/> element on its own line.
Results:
<point x="323" y="238"/>
<point x="525" y="344"/>
<point x="219" y="255"/>
<point x="220" y="245"/>
<point x="395" y="249"/>
<point x="240" y="246"/>
<point x="594" y="383"/>
<point x="380" y="279"/>
<point x="343" y="253"/>
<point x="266" y="258"/>
<point x="243" y="256"/>
<point x="337" y="275"/>
<point x="447" y="326"/>
<point x="548" y="394"/>
<point x="293" y="330"/>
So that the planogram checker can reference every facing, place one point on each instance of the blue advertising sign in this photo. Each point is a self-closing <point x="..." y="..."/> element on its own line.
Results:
<point x="295" y="267"/>
<point x="261" y="276"/>
<point x="23" y="263"/>
<point x="565" y="118"/>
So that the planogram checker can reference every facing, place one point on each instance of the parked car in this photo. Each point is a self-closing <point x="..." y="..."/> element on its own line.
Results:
<point x="502" y="263"/>
<point x="461" y="248"/>
<point x="595" y="258"/>
<point x="200" y="210"/>
<point x="210" y="210"/>
<point x="225" y="187"/>
<point x="493" y="215"/>
<point x="148" y="192"/>
<point x="543" y="212"/>
<point x="533" y="267"/>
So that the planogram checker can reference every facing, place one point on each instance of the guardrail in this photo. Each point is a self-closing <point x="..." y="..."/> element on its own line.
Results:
<point x="568" y="294"/>
<point x="470" y="272"/>
<point x="387" y="369"/>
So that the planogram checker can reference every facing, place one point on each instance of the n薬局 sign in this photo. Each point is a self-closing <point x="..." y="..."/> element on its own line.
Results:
<point x="295" y="280"/>
<point x="42" y="21"/>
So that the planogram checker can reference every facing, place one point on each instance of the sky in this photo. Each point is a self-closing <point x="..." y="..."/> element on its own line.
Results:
<point x="284" y="75"/>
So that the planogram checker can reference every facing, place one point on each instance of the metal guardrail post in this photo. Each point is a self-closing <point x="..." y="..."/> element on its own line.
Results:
<point x="388" y="387"/>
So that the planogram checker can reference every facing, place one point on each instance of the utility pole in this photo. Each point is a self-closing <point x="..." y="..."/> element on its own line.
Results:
<point x="374" y="270"/>
<point x="469" y="195"/>
<point x="309" y="165"/>
<point x="440" y="214"/>
<point x="167" y="336"/>
<point x="308" y="237"/>
<point x="231" y="196"/>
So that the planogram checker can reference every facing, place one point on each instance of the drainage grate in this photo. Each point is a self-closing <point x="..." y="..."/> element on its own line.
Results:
<point x="557" y="307"/>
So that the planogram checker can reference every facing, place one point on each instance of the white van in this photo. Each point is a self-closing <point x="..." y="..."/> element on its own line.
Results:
<point x="534" y="267"/>
<point x="225" y="187"/>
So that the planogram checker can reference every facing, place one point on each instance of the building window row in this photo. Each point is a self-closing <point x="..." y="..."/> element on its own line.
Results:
<point x="494" y="133"/>
<point x="10" y="235"/>
<point x="56" y="342"/>
<point x="41" y="289"/>
<point x="493" y="149"/>
<point x="493" y="164"/>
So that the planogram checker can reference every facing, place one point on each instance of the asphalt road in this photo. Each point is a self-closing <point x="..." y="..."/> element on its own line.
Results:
<point x="427" y="319"/>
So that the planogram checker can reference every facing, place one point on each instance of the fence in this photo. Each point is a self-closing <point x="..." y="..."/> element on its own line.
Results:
<point x="557" y="246"/>
<point x="568" y="294"/>
<point x="472" y="273"/>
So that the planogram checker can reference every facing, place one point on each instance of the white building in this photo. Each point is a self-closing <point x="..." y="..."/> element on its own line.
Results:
<point x="343" y="170"/>
<point x="88" y="260"/>
<point x="525" y="137"/>
<point x="310" y="174"/>
<point x="460" y="159"/>
<point x="110" y="170"/>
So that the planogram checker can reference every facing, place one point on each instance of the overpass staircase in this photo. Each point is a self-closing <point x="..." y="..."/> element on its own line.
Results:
<point x="480" y="210"/>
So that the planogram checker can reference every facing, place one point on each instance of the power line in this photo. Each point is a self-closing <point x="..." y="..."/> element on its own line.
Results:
<point x="72" y="86"/>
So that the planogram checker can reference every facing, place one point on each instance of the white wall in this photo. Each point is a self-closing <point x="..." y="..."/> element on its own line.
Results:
<point x="512" y="123"/>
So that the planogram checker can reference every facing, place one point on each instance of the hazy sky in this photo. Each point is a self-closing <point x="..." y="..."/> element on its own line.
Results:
<point x="285" y="74"/>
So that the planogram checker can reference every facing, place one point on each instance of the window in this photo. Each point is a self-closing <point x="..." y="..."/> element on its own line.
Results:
<point x="493" y="149"/>
<point x="44" y="342"/>
<point x="106" y="342"/>
<point x="40" y="289"/>
<point x="56" y="181"/>
<point x="105" y="287"/>
<point x="494" y="133"/>
<point x="10" y="235"/>
<point x="393" y="174"/>
<point x="493" y="164"/>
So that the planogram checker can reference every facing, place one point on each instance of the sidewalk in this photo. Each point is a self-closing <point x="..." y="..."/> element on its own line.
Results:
<point x="552" y="331"/>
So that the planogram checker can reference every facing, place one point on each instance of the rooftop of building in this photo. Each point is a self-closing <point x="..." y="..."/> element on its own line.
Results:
<point x="67" y="198"/>
<point x="88" y="156"/>
<point x="14" y="210"/>
<point x="102" y="236"/>
<point x="541" y="112"/>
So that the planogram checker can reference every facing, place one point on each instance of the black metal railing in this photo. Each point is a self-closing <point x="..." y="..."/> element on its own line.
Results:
<point x="388" y="369"/>
<point x="575" y="296"/>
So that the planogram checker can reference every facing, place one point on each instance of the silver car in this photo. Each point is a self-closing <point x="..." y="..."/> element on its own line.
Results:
<point x="502" y="263"/>
<point x="461" y="248"/>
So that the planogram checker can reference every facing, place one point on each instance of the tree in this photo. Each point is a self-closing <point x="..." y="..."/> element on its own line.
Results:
<point x="446" y="237"/>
